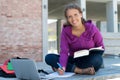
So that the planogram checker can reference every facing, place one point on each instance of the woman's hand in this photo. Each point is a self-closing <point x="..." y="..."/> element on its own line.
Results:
<point x="61" y="71"/>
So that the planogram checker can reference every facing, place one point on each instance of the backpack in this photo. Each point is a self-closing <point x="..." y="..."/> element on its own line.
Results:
<point x="6" y="70"/>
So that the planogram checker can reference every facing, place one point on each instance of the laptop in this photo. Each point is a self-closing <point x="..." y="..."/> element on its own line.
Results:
<point x="25" y="69"/>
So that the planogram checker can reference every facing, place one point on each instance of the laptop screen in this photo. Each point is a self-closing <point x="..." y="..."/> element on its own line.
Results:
<point x="25" y="69"/>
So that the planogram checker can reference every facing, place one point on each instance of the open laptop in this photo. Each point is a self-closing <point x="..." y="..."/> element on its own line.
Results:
<point x="25" y="69"/>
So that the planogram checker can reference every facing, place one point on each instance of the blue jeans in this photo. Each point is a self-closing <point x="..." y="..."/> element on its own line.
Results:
<point x="93" y="59"/>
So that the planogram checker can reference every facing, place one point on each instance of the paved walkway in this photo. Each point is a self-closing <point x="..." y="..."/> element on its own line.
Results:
<point x="111" y="70"/>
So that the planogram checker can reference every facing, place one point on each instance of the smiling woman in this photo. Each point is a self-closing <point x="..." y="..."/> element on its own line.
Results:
<point x="77" y="34"/>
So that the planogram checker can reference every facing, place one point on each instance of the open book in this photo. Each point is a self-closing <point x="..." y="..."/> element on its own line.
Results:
<point x="86" y="52"/>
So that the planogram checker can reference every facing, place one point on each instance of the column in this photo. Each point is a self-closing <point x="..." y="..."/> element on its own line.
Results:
<point x="45" y="27"/>
<point x="112" y="16"/>
<point x="118" y="27"/>
<point x="58" y="34"/>
<point x="98" y="23"/>
<point x="82" y="4"/>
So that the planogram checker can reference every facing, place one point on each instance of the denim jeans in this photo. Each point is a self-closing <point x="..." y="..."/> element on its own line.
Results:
<point x="93" y="59"/>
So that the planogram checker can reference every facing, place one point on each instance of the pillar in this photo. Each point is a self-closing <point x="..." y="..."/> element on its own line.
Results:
<point x="45" y="27"/>
<point x="58" y="34"/>
<point x="112" y="16"/>
<point x="98" y="23"/>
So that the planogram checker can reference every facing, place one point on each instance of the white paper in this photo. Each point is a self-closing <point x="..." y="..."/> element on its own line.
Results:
<point x="55" y="75"/>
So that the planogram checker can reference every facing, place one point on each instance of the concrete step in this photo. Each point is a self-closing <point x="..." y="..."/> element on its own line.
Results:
<point x="112" y="43"/>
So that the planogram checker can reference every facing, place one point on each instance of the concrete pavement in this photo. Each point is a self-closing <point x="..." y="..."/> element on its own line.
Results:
<point x="111" y="70"/>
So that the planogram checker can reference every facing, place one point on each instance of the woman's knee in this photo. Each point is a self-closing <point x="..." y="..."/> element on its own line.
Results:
<point x="50" y="58"/>
<point x="97" y="62"/>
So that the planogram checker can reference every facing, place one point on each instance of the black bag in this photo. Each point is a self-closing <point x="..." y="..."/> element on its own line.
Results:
<point x="3" y="74"/>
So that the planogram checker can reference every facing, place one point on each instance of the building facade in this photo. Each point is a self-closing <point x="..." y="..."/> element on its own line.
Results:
<point x="21" y="29"/>
<point x="24" y="29"/>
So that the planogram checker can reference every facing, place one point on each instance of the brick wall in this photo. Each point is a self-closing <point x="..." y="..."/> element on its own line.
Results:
<point x="20" y="29"/>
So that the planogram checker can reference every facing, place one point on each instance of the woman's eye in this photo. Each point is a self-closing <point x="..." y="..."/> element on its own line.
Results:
<point x="69" y="17"/>
<point x="76" y="15"/>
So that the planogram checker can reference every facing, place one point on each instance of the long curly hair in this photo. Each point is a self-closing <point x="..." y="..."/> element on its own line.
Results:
<point x="72" y="6"/>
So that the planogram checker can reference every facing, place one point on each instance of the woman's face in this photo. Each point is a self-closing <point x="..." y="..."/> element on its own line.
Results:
<point x="74" y="17"/>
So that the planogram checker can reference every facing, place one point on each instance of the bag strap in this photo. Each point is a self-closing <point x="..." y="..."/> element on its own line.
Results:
<point x="41" y="70"/>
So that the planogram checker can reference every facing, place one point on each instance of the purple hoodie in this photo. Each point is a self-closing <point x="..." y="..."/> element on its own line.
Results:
<point x="70" y="43"/>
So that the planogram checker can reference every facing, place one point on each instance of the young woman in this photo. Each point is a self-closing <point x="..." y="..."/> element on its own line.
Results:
<point x="77" y="34"/>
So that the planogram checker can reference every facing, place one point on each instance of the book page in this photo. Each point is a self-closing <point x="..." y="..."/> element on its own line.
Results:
<point x="55" y="75"/>
<point x="81" y="53"/>
<point x="96" y="48"/>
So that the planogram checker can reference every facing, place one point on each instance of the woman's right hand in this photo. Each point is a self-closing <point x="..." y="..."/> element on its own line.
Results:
<point x="61" y="71"/>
